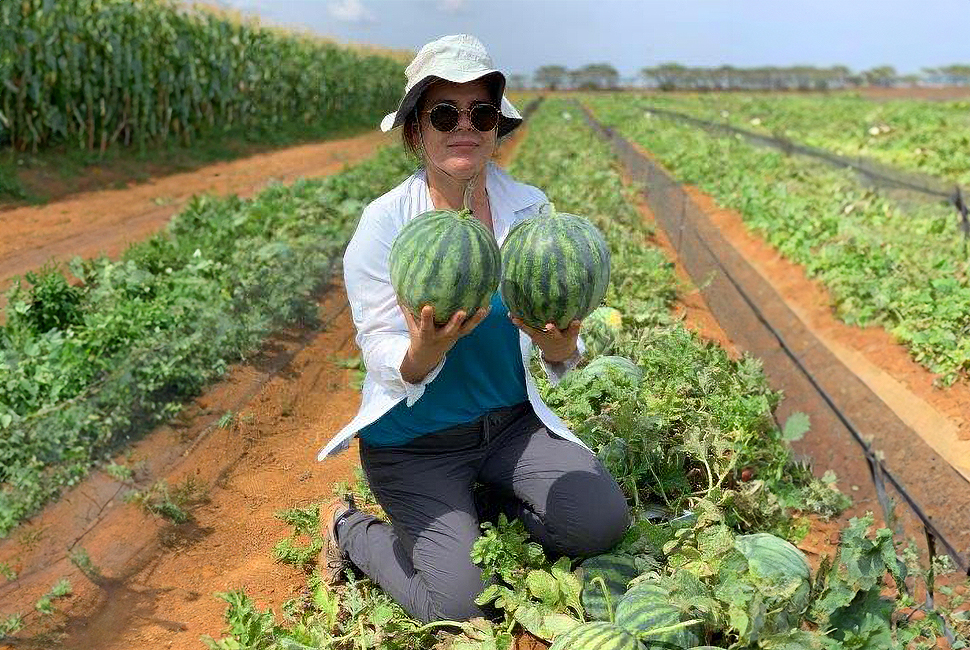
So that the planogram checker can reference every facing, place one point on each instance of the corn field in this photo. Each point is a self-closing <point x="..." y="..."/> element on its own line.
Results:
<point x="94" y="73"/>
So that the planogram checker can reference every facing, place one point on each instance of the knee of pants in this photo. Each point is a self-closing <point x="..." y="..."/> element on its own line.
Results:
<point x="595" y="519"/>
<point x="458" y="604"/>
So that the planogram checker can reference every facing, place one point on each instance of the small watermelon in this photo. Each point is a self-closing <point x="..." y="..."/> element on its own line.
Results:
<point x="775" y="563"/>
<point x="617" y="571"/>
<point x="445" y="259"/>
<point x="555" y="269"/>
<point x="596" y="635"/>
<point x="603" y="366"/>
<point x="647" y="607"/>
<point x="600" y="330"/>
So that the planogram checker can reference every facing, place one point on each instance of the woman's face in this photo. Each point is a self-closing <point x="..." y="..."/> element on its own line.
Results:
<point x="464" y="151"/>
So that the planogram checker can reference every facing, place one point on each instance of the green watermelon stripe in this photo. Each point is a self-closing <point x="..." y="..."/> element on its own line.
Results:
<point x="555" y="268"/>
<point x="446" y="259"/>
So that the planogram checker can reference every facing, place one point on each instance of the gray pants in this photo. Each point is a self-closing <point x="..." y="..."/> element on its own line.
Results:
<point x="561" y="492"/>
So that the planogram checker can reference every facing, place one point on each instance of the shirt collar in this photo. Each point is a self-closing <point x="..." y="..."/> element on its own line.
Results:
<point x="504" y="191"/>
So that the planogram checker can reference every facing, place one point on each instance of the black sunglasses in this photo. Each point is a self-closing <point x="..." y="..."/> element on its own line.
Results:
<point x="445" y="117"/>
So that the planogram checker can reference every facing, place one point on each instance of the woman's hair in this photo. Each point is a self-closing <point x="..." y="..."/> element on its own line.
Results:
<point x="412" y="145"/>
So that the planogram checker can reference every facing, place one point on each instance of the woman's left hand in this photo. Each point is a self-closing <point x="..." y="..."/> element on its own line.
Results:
<point x="556" y="345"/>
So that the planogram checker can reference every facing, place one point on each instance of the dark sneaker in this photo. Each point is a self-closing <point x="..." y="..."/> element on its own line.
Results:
<point x="333" y="561"/>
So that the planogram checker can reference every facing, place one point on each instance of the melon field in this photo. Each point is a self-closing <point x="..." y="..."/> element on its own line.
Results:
<point x="161" y="408"/>
<point x="928" y="137"/>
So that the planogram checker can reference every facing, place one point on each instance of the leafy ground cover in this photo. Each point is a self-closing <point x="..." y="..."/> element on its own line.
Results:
<point x="927" y="137"/>
<point x="95" y="357"/>
<point x="907" y="270"/>
<point x="701" y="460"/>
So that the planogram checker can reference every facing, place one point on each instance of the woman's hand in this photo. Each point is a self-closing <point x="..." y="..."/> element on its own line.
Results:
<point x="556" y="345"/>
<point x="429" y="342"/>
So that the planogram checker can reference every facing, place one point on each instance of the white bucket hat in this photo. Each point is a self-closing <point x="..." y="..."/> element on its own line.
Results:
<point x="459" y="58"/>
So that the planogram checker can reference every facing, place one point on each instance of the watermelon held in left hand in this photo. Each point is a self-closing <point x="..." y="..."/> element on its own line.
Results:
<point x="555" y="269"/>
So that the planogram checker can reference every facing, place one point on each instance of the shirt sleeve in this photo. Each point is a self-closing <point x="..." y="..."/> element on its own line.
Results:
<point x="382" y="332"/>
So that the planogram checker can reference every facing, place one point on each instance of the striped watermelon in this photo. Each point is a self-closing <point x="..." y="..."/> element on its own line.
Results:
<point x="596" y="635"/>
<point x="776" y="562"/>
<point x="617" y="571"/>
<point x="600" y="330"/>
<point x="445" y="259"/>
<point x="602" y="366"/>
<point x="646" y="607"/>
<point x="555" y="268"/>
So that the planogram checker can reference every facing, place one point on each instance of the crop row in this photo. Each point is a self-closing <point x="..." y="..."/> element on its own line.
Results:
<point x="927" y="137"/>
<point x="90" y="363"/>
<point x="695" y="434"/>
<point x="92" y="73"/>
<point x="904" y="269"/>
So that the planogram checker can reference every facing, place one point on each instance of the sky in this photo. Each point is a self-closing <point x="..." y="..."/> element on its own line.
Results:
<point x="522" y="35"/>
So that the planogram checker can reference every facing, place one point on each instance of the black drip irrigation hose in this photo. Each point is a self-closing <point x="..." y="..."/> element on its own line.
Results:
<point x="880" y="174"/>
<point x="877" y="467"/>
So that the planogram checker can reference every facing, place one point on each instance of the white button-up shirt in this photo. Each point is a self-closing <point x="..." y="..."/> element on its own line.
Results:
<point x="382" y="332"/>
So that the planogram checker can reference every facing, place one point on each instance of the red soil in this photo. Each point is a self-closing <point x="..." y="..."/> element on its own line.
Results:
<point x="108" y="221"/>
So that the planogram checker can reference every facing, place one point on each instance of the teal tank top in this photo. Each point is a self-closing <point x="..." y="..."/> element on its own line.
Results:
<point x="482" y="371"/>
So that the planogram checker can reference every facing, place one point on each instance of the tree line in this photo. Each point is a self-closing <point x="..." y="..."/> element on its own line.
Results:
<point x="674" y="76"/>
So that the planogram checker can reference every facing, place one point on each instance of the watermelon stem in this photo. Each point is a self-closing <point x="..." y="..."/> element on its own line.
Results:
<point x="657" y="631"/>
<point x="547" y="209"/>
<point x="606" y="596"/>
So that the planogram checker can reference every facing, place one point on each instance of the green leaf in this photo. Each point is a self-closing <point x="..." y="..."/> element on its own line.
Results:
<point x="570" y="587"/>
<point x="543" y="585"/>
<point x="796" y="426"/>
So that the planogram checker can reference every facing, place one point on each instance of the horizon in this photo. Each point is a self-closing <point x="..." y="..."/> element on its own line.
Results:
<point x="631" y="35"/>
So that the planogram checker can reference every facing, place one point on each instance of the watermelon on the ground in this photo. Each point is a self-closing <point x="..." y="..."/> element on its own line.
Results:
<point x="616" y="571"/>
<point x="603" y="366"/>
<point x="776" y="566"/>
<point x="596" y="635"/>
<point x="445" y="259"/>
<point x="600" y="330"/>
<point x="646" y="607"/>
<point x="555" y="269"/>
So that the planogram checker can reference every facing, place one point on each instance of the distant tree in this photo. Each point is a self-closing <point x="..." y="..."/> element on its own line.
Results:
<point x="551" y="77"/>
<point x="884" y="75"/>
<point x="666" y="76"/>
<point x="595" y="76"/>
<point x="956" y="75"/>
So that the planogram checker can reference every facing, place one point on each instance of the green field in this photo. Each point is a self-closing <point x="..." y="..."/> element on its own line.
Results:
<point x="906" y="269"/>
<point x="927" y="137"/>
<point x="679" y="440"/>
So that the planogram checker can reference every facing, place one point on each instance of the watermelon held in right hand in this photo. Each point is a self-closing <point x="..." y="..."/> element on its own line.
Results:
<point x="445" y="259"/>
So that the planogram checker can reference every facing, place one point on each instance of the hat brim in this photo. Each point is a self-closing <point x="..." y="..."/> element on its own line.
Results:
<point x="509" y="117"/>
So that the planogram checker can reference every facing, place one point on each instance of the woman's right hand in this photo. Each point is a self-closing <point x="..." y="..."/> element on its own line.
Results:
<point x="429" y="342"/>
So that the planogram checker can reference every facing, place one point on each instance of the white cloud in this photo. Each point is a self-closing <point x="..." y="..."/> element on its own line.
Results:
<point x="351" y="11"/>
<point x="453" y="6"/>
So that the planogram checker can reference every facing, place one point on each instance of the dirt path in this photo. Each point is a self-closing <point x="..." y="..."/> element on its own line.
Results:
<point x="108" y="221"/>
<point x="159" y="578"/>
<point x="941" y="416"/>
<point x="919" y="428"/>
